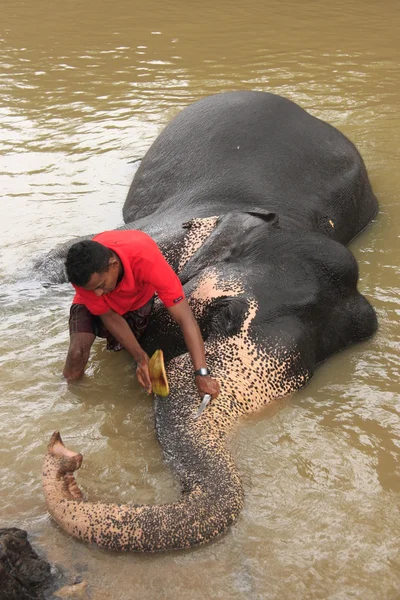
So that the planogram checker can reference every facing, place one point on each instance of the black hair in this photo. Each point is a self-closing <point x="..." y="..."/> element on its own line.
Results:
<point x="84" y="259"/>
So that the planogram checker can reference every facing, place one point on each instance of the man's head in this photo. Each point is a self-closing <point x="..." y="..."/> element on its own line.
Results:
<point x="92" y="266"/>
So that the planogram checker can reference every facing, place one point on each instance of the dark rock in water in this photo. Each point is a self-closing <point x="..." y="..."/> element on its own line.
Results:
<point x="23" y="574"/>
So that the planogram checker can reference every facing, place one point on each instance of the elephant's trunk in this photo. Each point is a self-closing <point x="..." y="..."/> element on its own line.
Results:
<point x="206" y="509"/>
<point x="212" y="494"/>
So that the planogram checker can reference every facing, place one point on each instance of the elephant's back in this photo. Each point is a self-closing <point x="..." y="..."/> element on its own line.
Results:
<point x="247" y="149"/>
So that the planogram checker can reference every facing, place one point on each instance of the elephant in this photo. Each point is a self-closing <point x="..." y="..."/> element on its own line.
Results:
<point x="252" y="200"/>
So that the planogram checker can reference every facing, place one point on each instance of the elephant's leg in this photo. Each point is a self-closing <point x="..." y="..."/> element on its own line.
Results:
<point x="51" y="267"/>
<point x="78" y="355"/>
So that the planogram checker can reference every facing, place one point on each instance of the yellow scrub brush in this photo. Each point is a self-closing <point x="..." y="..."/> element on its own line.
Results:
<point x="158" y="375"/>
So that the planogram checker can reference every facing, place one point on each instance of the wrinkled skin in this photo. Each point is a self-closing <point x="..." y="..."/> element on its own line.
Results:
<point x="252" y="201"/>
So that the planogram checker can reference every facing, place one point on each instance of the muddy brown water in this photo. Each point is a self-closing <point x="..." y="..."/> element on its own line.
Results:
<point x="85" y="88"/>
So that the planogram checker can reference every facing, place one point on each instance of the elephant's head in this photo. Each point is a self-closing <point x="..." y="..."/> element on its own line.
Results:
<point x="271" y="303"/>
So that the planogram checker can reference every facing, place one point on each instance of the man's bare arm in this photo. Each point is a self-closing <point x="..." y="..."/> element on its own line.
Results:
<point x="120" y="329"/>
<point x="183" y="315"/>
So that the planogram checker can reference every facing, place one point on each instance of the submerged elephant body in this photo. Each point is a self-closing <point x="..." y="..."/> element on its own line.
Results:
<point x="251" y="200"/>
<point x="248" y="150"/>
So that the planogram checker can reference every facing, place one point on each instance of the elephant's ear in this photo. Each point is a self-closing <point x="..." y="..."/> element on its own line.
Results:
<point x="265" y="215"/>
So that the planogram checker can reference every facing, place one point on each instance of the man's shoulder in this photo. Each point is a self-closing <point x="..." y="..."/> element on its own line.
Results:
<point x="118" y="236"/>
<point x="132" y="245"/>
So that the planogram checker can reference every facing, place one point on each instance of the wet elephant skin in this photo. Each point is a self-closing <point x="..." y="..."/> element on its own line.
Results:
<point x="252" y="201"/>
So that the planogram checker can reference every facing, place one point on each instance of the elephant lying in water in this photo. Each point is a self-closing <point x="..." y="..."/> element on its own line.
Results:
<point x="252" y="201"/>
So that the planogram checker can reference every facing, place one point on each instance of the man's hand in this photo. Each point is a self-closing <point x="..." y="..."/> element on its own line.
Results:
<point x="122" y="332"/>
<point x="142" y="372"/>
<point x="207" y="385"/>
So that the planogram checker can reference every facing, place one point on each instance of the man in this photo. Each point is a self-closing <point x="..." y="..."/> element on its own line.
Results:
<point x="116" y="276"/>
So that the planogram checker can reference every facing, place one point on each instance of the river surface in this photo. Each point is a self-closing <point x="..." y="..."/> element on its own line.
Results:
<point x="85" y="87"/>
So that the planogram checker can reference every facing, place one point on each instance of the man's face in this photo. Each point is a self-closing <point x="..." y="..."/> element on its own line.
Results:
<point x="103" y="283"/>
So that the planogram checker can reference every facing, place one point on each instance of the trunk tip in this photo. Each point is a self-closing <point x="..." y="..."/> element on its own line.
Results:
<point x="70" y="460"/>
<point x="55" y="440"/>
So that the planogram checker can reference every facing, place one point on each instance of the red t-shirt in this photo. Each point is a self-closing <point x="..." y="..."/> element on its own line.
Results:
<point x="145" y="272"/>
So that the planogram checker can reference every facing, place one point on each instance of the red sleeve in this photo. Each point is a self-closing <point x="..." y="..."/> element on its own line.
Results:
<point x="95" y="304"/>
<point x="158" y="273"/>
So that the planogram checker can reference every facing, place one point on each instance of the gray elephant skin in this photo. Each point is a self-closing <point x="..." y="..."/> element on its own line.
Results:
<point x="252" y="200"/>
